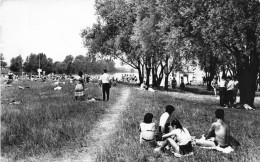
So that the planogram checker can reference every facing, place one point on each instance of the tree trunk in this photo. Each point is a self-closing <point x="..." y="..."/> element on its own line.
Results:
<point x="212" y="72"/>
<point x="141" y="79"/>
<point x="166" y="82"/>
<point x="154" y="73"/>
<point x="247" y="77"/>
<point x="247" y="88"/>
<point x="140" y="70"/>
<point x="166" y="75"/>
<point x="159" y="76"/>
<point x="148" y="71"/>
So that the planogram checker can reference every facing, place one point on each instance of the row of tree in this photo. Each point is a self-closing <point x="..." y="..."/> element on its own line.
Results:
<point x="69" y="65"/>
<point x="157" y="37"/>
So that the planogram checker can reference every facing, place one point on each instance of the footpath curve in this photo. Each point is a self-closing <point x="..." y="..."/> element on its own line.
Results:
<point x="99" y="136"/>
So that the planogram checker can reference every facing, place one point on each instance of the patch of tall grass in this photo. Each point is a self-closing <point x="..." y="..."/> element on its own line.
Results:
<point x="195" y="115"/>
<point x="47" y="121"/>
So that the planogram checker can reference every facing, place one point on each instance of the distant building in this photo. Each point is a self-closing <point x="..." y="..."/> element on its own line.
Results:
<point x="192" y="76"/>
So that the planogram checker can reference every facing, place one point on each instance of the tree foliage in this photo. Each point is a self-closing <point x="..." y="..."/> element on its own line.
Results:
<point x="16" y="64"/>
<point x="36" y="61"/>
<point x="158" y="37"/>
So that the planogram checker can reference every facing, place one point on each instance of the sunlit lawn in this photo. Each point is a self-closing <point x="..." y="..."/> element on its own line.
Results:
<point x="196" y="115"/>
<point x="46" y="120"/>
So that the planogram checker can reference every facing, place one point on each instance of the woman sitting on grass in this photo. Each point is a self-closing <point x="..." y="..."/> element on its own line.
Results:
<point x="147" y="129"/>
<point x="178" y="138"/>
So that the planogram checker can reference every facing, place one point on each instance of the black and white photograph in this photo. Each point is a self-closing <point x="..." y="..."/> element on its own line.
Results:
<point x="130" y="80"/>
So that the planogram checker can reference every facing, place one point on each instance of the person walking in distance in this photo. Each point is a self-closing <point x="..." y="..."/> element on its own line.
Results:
<point x="106" y="84"/>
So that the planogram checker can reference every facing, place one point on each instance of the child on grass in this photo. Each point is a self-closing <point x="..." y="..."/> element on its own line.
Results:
<point x="179" y="139"/>
<point x="147" y="129"/>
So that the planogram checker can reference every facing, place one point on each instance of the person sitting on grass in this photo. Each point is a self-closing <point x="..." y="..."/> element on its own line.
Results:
<point x="179" y="139"/>
<point x="147" y="130"/>
<point x="143" y="86"/>
<point x="218" y="134"/>
<point x="151" y="89"/>
<point x="164" y="119"/>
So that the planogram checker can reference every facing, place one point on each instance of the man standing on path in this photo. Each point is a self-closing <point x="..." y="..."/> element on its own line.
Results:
<point x="105" y="81"/>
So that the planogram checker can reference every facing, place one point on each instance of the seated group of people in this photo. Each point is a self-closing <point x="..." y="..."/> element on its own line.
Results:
<point x="178" y="139"/>
<point x="143" y="86"/>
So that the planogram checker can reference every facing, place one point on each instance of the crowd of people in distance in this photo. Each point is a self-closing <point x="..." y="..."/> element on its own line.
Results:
<point x="173" y="136"/>
<point x="130" y="78"/>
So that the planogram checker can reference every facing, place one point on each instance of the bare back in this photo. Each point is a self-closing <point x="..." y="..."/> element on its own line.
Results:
<point x="222" y="132"/>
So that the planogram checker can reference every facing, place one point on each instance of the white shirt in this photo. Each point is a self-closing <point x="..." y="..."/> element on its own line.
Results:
<point x="147" y="130"/>
<point x="104" y="78"/>
<point x="163" y="119"/>
<point x="230" y="85"/>
<point x="222" y="83"/>
<point x="182" y="136"/>
<point x="236" y="84"/>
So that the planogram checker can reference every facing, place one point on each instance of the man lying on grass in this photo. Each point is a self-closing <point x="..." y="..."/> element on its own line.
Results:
<point x="218" y="136"/>
<point x="178" y="138"/>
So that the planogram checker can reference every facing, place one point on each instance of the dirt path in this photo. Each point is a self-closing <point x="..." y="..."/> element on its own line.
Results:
<point x="99" y="137"/>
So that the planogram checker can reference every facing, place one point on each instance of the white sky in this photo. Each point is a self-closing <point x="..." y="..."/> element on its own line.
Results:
<point x="44" y="26"/>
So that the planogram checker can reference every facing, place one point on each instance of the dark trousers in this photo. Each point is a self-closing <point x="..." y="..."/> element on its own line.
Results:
<point x="223" y="96"/>
<point x="105" y="89"/>
<point x="235" y="95"/>
<point x="230" y="97"/>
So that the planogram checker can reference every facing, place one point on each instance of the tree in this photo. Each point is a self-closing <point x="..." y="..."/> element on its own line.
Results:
<point x="113" y="37"/>
<point x="68" y="62"/>
<point x="34" y="62"/>
<point x="3" y="63"/>
<point x="232" y="28"/>
<point x="16" y="64"/>
<point x="80" y="63"/>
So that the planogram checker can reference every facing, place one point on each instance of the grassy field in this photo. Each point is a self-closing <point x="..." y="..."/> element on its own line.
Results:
<point x="49" y="121"/>
<point x="196" y="113"/>
<point x="46" y="121"/>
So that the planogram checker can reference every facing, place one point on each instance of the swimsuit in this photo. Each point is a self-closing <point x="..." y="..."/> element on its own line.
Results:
<point x="216" y="143"/>
<point x="186" y="149"/>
